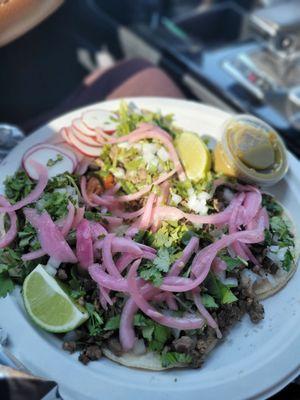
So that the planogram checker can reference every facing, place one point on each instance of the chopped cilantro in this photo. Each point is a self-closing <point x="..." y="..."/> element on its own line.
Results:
<point x="273" y="208"/>
<point x="281" y="229"/>
<point x="268" y="237"/>
<point x="172" y="358"/>
<point x="169" y="235"/>
<point x="113" y="323"/>
<point x="95" y="321"/>
<point x="61" y="181"/>
<point x="52" y="162"/>
<point x="28" y="237"/>
<point x="152" y="271"/>
<point x="288" y="261"/>
<point x="6" y="284"/>
<point x="208" y="301"/>
<point x="17" y="186"/>
<point x="219" y="291"/>
<point x="76" y="289"/>
<point x="233" y="263"/>
<point x="54" y="203"/>
<point x="162" y="260"/>
<point x="10" y="263"/>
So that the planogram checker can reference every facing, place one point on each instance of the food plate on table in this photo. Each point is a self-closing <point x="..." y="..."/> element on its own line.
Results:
<point x="251" y="361"/>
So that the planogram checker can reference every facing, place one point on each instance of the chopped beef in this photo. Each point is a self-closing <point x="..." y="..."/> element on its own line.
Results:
<point x="70" y="346"/>
<point x="229" y="314"/>
<point x="269" y="266"/>
<point x="114" y="346"/>
<point x="260" y="251"/>
<point x="185" y="344"/>
<point x="256" y="311"/>
<point x="83" y="358"/>
<point x="206" y="341"/>
<point x="91" y="353"/>
<point x="88" y="284"/>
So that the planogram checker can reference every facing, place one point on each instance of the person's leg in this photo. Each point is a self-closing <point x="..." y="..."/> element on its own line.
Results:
<point x="149" y="82"/>
<point x="135" y="77"/>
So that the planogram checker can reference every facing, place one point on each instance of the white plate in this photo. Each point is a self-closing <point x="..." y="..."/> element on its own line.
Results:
<point x="254" y="362"/>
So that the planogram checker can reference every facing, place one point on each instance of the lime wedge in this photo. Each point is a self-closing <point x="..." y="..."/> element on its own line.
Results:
<point x="48" y="304"/>
<point x="194" y="155"/>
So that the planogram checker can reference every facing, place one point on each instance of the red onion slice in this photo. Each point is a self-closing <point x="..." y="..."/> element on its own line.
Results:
<point x="68" y="221"/>
<point x="206" y="315"/>
<point x="84" y="244"/>
<point x="188" y="251"/>
<point x="185" y="323"/>
<point x="50" y="237"/>
<point x="10" y="235"/>
<point x="33" y="255"/>
<point x="146" y="216"/>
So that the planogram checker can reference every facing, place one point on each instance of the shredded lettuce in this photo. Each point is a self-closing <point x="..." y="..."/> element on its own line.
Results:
<point x="129" y="117"/>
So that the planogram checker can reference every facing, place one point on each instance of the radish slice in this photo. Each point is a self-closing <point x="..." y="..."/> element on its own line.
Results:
<point x="83" y="138"/>
<point x="68" y="146"/>
<point x="101" y="119"/>
<point x="64" y="134"/>
<point x="43" y="154"/>
<point x="81" y="127"/>
<point x="84" y="148"/>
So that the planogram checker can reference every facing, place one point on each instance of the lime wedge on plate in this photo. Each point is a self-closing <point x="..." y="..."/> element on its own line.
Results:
<point x="194" y="155"/>
<point x="49" y="305"/>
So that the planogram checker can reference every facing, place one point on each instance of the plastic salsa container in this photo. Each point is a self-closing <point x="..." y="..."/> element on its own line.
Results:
<point x="251" y="150"/>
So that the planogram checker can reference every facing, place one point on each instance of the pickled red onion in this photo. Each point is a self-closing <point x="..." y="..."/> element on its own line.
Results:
<point x="84" y="244"/>
<point x="10" y="235"/>
<point x="50" y="237"/>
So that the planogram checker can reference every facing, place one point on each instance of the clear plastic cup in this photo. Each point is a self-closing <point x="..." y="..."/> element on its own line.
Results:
<point x="234" y="159"/>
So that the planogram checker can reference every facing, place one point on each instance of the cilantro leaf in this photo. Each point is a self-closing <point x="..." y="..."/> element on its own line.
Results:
<point x="147" y="332"/>
<point x="162" y="261"/>
<point x="28" y="237"/>
<point x="113" y="323"/>
<point x="172" y="358"/>
<point x="227" y="296"/>
<point x="95" y="321"/>
<point x="55" y="203"/>
<point x="208" y="301"/>
<point x="219" y="291"/>
<point x="287" y="261"/>
<point x="61" y="181"/>
<point x="152" y="274"/>
<point x="6" y="284"/>
<point x="233" y="263"/>
<point x="140" y="320"/>
<point x="280" y="227"/>
<point x="52" y="162"/>
<point x="271" y="205"/>
<point x="161" y="333"/>
<point x="153" y="271"/>
<point x="17" y="186"/>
